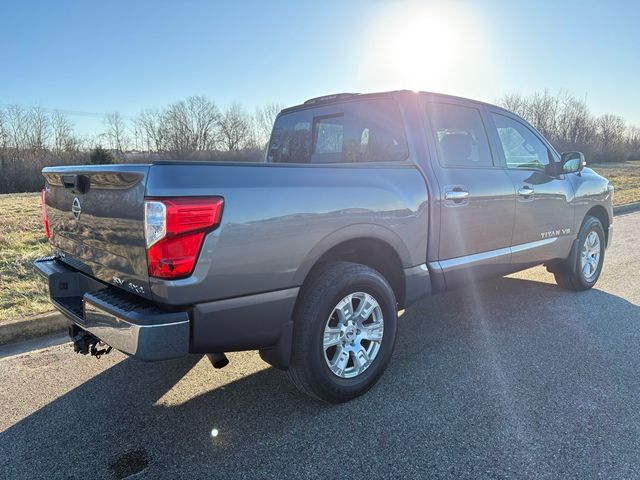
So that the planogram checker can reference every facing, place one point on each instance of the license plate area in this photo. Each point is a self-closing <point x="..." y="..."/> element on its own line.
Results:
<point x="67" y="287"/>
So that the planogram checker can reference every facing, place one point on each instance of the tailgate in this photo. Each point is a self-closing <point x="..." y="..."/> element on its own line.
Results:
<point x="96" y="217"/>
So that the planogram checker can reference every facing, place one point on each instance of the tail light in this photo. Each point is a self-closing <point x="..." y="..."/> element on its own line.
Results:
<point x="174" y="231"/>
<point x="45" y="219"/>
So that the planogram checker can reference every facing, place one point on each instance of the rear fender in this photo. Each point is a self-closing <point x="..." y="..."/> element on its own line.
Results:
<point x="361" y="230"/>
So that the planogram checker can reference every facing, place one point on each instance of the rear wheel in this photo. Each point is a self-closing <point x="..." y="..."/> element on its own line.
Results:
<point x="583" y="272"/>
<point x="344" y="332"/>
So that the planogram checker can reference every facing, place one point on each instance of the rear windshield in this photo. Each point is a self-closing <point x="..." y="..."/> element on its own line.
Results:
<point x="363" y="131"/>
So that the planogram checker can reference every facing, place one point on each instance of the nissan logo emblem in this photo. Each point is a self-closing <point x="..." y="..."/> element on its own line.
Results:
<point x="76" y="209"/>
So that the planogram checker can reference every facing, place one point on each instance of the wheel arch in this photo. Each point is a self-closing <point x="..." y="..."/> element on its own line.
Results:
<point x="370" y="245"/>
<point x="601" y="214"/>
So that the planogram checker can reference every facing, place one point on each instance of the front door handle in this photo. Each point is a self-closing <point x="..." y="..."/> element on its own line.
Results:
<point x="526" y="191"/>
<point x="456" y="195"/>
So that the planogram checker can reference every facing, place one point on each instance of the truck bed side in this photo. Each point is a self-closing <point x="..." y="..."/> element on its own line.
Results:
<point x="279" y="220"/>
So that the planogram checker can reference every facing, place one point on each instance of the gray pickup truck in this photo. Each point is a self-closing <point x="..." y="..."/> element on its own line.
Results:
<point x="364" y="205"/>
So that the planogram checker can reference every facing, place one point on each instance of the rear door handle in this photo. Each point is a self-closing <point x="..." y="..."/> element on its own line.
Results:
<point x="526" y="191"/>
<point x="456" y="195"/>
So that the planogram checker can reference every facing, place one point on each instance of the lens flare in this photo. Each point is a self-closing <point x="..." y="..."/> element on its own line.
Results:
<point x="423" y="46"/>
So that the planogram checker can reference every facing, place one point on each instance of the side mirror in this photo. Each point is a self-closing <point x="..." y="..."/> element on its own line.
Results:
<point x="572" y="162"/>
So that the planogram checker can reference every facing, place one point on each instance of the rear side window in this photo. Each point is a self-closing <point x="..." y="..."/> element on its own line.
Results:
<point x="363" y="131"/>
<point x="329" y="137"/>
<point x="291" y="138"/>
<point x="461" y="138"/>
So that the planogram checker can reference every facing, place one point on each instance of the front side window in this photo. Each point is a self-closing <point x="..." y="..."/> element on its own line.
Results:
<point x="361" y="131"/>
<point x="461" y="139"/>
<point x="521" y="147"/>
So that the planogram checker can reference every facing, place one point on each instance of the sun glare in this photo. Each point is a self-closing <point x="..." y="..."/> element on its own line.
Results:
<point x="420" y="50"/>
<point x="421" y="47"/>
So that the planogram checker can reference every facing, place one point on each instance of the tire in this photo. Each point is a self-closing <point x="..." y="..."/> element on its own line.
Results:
<point x="573" y="274"/>
<point x="322" y="372"/>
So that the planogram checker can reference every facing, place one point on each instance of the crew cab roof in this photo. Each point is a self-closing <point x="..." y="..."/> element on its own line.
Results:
<point x="344" y="97"/>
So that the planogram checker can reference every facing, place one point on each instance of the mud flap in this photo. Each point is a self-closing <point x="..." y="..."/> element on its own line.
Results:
<point x="279" y="355"/>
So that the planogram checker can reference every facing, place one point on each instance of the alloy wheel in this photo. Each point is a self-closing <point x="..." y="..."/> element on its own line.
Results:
<point x="353" y="335"/>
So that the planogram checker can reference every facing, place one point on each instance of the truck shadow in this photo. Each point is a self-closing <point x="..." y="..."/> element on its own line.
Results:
<point x="477" y="379"/>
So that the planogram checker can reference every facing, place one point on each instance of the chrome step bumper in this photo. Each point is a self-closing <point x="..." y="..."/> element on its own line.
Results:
<point x="123" y="321"/>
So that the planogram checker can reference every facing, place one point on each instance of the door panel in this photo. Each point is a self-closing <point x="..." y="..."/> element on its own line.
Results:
<point x="545" y="212"/>
<point x="477" y="199"/>
<point x="543" y="208"/>
<point x="482" y="221"/>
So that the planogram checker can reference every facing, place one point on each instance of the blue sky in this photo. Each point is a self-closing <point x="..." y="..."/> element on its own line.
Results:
<point x="130" y="55"/>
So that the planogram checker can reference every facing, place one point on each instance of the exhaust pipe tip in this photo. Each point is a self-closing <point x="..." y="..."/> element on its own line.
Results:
<point x="218" y="360"/>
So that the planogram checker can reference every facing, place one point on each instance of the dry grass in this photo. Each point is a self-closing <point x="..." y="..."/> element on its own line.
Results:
<point x="22" y="290"/>
<point x="625" y="177"/>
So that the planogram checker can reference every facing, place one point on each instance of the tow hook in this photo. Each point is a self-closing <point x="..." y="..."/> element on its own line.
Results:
<point x="86" y="343"/>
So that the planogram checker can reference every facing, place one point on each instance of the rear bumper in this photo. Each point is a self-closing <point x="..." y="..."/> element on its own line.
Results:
<point x="127" y="323"/>
<point x="150" y="331"/>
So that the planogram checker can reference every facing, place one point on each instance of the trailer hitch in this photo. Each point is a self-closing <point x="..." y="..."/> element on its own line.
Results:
<point x="86" y="343"/>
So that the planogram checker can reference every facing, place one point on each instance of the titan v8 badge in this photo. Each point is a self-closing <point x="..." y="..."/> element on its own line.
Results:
<point x="556" y="233"/>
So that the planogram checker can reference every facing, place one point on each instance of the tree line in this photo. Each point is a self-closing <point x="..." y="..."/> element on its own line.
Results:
<point x="568" y="124"/>
<point x="196" y="128"/>
<point x="192" y="125"/>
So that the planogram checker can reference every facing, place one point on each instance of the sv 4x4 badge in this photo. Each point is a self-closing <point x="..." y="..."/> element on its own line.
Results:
<point x="128" y="285"/>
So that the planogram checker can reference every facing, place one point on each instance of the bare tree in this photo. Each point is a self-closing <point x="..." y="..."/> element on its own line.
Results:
<point x="38" y="128"/>
<point x="196" y="125"/>
<point x="150" y="123"/>
<point x="116" y="131"/>
<point x="235" y="128"/>
<point x="611" y="130"/>
<point x="542" y="112"/>
<point x="4" y="130"/>
<point x="265" y="116"/>
<point x="18" y="126"/>
<point x="575" y="128"/>
<point x="514" y="102"/>
<point x="181" y="128"/>
<point x="136" y="137"/>
<point x="87" y="143"/>
<point x="178" y="137"/>
<point x="193" y="124"/>
<point x="63" y="138"/>
<point x="633" y="142"/>
<point x="204" y="122"/>
<point x="567" y="122"/>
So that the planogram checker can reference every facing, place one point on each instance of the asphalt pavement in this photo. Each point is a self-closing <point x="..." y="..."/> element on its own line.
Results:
<point x="512" y="378"/>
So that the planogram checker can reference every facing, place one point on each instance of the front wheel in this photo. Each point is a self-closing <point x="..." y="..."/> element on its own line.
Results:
<point x="584" y="272"/>
<point x="344" y="332"/>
